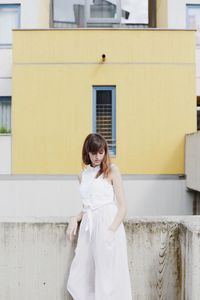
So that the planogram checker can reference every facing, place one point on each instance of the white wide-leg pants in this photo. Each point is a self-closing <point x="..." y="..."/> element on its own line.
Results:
<point x="99" y="269"/>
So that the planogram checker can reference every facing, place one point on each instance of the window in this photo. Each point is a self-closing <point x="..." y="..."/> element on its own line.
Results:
<point x="5" y="114"/>
<point x="198" y="112"/>
<point x="104" y="114"/>
<point x="193" y="20"/>
<point x="9" y="19"/>
<point x="100" y="13"/>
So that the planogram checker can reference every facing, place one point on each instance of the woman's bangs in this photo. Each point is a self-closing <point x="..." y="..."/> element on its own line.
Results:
<point x="96" y="147"/>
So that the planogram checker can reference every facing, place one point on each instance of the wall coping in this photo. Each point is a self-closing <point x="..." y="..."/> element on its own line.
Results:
<point x="192" y="223"/>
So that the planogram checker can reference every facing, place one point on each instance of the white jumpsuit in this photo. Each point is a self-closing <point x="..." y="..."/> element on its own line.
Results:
<point x="99" y="269"/>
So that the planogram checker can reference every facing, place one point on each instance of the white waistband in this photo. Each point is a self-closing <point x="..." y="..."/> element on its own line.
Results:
<point x="89" y="221"/>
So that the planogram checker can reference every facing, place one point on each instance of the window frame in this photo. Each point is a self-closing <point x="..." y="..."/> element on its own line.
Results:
<point x="18" y="8"/>
<point x="198" y="110"/>
<point x="111" y="88"/>
<point x="197" y="6"/>
<point x="188" y="6"/>
<point x="9" y="100"/>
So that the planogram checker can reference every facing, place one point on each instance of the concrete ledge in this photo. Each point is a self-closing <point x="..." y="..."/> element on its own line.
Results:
<point x="164" y="257"/>
<point x="192" y="160"/>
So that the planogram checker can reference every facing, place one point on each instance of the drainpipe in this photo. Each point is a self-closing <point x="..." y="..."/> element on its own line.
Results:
<point x="152" y="13"/>
<point x="196" y="203"/>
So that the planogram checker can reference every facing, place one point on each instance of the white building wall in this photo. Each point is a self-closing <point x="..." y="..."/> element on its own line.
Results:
<point x="158" y="197"/>
<point x="198" y="71"/>
<point x="177" y="13"/>
<point x="44" y="196"/>
<point x="33" y="14"/>
<point x="177" y="18"/>
<point x="5" y="72"/>
<point x="5" y="155"/>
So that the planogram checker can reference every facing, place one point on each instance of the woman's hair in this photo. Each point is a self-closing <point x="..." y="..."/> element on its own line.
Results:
<point x="94" y="143"/>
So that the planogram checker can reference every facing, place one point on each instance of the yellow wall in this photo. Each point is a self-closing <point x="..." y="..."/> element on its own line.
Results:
<point x="54" y="70"/>
<point x="162" y="13"/>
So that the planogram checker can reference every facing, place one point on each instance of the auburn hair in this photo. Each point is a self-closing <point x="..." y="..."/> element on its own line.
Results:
<point x="95" y="142"/>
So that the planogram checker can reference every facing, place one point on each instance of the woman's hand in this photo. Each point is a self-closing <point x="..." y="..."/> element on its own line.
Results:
<point x="111" y="228"/>
<point x="72" y="228"/>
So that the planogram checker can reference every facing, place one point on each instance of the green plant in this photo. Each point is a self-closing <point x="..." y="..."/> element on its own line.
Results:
<point x="4" y="130"/>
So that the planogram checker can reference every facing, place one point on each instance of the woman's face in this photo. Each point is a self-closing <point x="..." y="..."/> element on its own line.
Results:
<point x="96" y="158"/>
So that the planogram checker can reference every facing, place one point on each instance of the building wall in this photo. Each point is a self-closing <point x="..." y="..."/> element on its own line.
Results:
<point x="198" y="71"/>
<point x="173" y="14"/>
<point x="5" y="154"/>
<point x="58" y="195"/>
<point x="192" y="161"/>
<point x="33" y="14"/>
<point x="177" y="12"/>
<point x="54" y="71"/>
<point x="162" y="13"/>
<point x="5" y="72"/>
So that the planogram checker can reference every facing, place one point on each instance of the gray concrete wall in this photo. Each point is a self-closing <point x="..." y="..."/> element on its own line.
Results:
<point x="163" y="252"/>
<point x="192" y="160"/>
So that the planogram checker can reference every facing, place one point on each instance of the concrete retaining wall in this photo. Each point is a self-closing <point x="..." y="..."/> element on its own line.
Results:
<point x="164" y="258"/>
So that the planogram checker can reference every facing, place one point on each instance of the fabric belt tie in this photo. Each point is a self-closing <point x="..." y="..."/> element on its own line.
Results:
<point x="89" y="220"/>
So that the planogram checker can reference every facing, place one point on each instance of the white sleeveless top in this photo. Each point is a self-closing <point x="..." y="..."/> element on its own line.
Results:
<point x="95" y="192"/>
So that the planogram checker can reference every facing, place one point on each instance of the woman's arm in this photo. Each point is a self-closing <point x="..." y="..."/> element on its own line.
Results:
<point x="78" y="217"/>
<point x="120" y="196"/>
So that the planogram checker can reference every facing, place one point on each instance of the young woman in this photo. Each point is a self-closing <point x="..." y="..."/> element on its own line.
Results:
<point x="99" y="270"/>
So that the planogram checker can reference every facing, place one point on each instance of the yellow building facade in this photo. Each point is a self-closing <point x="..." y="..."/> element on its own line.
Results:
<point x="54" y="72"/>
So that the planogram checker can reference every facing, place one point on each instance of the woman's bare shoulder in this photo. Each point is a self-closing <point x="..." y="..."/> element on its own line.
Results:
<point x="115" y="172"/>
<point x="114" y="168"/>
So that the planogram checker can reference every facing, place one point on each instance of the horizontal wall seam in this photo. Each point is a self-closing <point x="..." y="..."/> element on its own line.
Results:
<point x="74" y="177"/>
<point x="107" y="63"/>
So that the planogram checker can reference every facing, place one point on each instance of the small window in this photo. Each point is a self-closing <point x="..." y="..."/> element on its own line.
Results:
<point x="104" y="114"/>
<point x="9" y="19"/>
<point x="198" y="117"/>
<point x="193" y="20"/>
<point x="198" y="112"/>
<point x="5" y="115"/>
